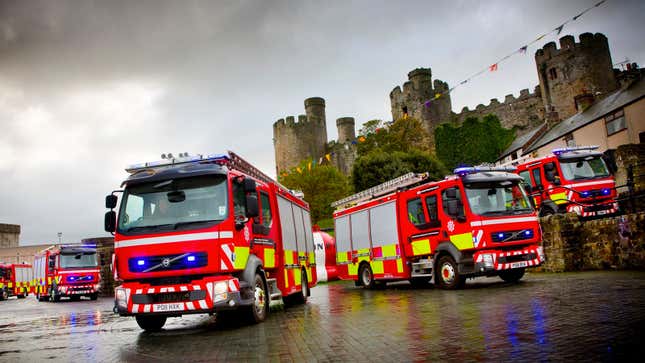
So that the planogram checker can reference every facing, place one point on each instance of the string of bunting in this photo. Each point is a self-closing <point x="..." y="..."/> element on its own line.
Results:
<point x="521" y="50"/>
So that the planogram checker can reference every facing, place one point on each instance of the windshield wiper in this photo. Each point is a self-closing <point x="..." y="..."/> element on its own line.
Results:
<point x="494" y="213"/>
<point x="181" y="224"/>
<point x="147" y="227"/>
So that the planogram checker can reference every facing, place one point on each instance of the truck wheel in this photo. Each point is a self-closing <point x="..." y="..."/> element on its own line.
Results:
<point x="304" y="288"/>
<point x="4" y="295"/>
<point x="447" y="276"/>
<point x="75" y="297"/>
<point x="53" y="297"/>
<point x="546" y="211"/>
<point x="22" y="296"/>
<point x="513" y="275"/>
<point x="257" y="312"/>
<point x="366" y="276"/>
<point x="151" y="322"/>
<point x="94" y="296"/>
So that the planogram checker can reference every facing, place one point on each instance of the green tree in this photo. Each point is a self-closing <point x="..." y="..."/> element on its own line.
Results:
<point x="401" y="135"/>
<point x="472" y="143"/>
<point x="380" y="166"/>
<point x="321" y="185"/>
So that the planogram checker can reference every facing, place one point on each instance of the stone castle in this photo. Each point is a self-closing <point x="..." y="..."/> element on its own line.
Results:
<point x="570" y="78"/>
<point x="295" y="141"/>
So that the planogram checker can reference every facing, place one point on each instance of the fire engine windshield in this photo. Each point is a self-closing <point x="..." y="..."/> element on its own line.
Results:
<point x="80" y="259"/>
<point x="586" y="168"/>
<point x="174" y="204"/>
<point x="499" y="198"/>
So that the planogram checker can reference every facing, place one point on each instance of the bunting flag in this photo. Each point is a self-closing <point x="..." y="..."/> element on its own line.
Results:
<point x="522" y="50"/>
<point x="299" y="170"/>
<point x="437" y="95"/>
<point x="309" y="166"/>
<point x="328" y="157"/>
<point x="361" y="138"/>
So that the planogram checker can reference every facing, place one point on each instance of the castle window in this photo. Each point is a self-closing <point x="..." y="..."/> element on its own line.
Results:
<point x="553" y="74"/>
<point x="615" y="122"/>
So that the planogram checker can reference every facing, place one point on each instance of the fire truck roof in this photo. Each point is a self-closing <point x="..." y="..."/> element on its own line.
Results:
<point x="174" y="172"/>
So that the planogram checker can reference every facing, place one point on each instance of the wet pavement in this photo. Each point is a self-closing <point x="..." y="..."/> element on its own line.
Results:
<point x="589" y="316"/>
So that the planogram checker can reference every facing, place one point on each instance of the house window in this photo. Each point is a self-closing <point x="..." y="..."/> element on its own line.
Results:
<point x="568" y="139"/>
<point x="615" y="122"/>
<point x="514" y="155"/>
<point x="553" y="74"/>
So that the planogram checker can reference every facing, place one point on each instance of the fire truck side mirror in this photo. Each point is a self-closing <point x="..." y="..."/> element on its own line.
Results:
<point x="249" y="185"/>
<point x="453" y="207"/>
<point x="110" y="221"/>
<point x="252" y="209"/>
<point x="110" y="201"/>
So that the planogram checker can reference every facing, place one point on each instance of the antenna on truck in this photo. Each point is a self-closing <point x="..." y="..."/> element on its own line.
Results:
<point x="382" y="189"/>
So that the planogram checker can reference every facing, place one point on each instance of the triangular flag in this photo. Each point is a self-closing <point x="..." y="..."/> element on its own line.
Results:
<point x="320" y="160"/>
<point x="437" y="95"/>
<point x="309" y="166"/>
<point x="523" y="49"/>
<point x="299" y="170"/>
<point x="493" y="67"/>
<point x="427" y="103"/>
<point x="361" y="139"/>
<point x="559" y="29"/>
<point x="328" y="157"/>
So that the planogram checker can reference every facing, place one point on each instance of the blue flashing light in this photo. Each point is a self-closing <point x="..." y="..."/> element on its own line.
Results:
<point x="562" y="150"/>
<point x="500" y="235"/>
<point x="141" y="262"/>
<point x="585" y="194"/>
<point x="528" y="233"/>
<point x="71" y="278"/>
<point x="606" y="191"/>
<point x="190" y="258"/>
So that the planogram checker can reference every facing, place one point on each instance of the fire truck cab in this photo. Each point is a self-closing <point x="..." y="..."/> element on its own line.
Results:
<point x="67" y="271"/>
<point x="572" y="179"/>
<point x="15" y="280"/>
<point x="478" y="222"/>
<point x="207" y="235"/>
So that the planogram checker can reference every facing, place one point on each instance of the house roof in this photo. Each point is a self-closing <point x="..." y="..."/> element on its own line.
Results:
<point x="519" y="142"/>
<point x="599" y="109"/>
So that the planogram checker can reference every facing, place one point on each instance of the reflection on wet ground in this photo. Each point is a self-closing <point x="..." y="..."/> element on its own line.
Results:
<point x="582" y="316"/>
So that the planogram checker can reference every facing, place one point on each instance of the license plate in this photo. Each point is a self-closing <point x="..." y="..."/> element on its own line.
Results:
<point x="519" y="264"/>
<point x="601" y="212"/>
<point x="167" y="307"/>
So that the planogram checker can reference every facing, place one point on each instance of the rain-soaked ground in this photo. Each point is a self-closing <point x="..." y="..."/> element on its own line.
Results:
<point x="591" y="316"/>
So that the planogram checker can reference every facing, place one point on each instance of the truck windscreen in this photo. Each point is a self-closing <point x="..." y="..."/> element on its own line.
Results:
<point x="500" y="198"/>
<point x="585" y="168"/>
<point x="80" y="259"/>
<point x="174" y="204"/>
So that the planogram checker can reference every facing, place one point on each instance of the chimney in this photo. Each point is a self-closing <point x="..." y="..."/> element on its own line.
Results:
<point x="584" y="101"/>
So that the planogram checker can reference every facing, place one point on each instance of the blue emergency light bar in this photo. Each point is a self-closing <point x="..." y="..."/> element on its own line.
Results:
<point x="214" y="158"/>
<point x="562" y="150"/>
<point x="479" y="169"/>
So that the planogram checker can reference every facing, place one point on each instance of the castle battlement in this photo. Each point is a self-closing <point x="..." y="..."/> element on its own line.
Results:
<point x="568" y="44"/>
<point x="509" y="100"/>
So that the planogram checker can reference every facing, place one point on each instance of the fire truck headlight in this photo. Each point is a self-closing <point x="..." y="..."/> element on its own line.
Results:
<point x="220" y="291"/>
<point x="606" y="191"/>
<point x="121" y="298"/>
<point x="97" y="286"/>
<point x="540" y="252"/>
<point x="488" y="260"/>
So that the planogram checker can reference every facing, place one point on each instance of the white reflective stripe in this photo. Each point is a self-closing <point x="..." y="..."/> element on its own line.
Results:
<point x="504" y="221"/>
<point x="139" y="291"/>
<point x="62" y="272"/>
<point x="135" y="308"/>
<point x="209" y="286"/>
<point x="171" y="289"/>
<point x="151" y="291"/>
<point x="190" y="306"/>
<point x="196" y="287"/>
<point x="168" y="239"/>
<point x="164" y="289"/>
<point x="226" y="234"/>
<point x="202" y="304"/>
<point x="592" y="183"/>
<point x="183" y="288"/>
<point x="222" y="265"/>
<point x="146" y="308"/>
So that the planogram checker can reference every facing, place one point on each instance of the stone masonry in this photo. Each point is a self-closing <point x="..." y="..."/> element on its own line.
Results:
<point x="9" y="235"/>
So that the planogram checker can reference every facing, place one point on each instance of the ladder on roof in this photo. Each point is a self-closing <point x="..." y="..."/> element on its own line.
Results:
<point x="238" y="163"/>
<point x="517" y="161"/>
<point x="382" y="189"/>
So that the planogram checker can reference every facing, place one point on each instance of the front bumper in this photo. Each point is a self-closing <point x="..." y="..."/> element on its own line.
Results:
<point x="489" y="261"/>
<point x="72" y="290"/>
<point x="593" y="210"/>
<point x="200" y="296"/>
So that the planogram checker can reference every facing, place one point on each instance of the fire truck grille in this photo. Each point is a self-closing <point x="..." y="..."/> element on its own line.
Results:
<point x="597" y="207"/>
<point x="517" y="258"/>
<point x="511" y="236"/>
<point x="166" y="297"/>
<point x="168" y="262"/>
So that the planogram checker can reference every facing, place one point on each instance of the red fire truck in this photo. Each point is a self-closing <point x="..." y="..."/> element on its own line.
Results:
<point x="478" y="222"/>
<point x="207" y="234"/>
<point x="572" y="179"/>
<point x="67" y="271"/>
<point x="15" y="280"/>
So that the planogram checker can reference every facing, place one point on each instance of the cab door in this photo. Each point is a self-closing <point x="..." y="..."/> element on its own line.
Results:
<point x="421" y="224"/>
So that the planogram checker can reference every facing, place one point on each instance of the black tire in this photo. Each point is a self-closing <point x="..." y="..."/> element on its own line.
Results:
<point x="546" y="211"/>
<point x="301" y="297"/>
<point x="366" y="276"/>
<point x="75" y="297"/>
<point x="258" y="312"/>
<point x="4" y="295"/>
<point x="53" y="297"/>
<point x="151" y="322"/>
<point x="419" y="282"/>
<point x="94" y="296"/>
<point x="22" y="296"/>
<point x="513" y="275"/>
<point x="447" y="274"/>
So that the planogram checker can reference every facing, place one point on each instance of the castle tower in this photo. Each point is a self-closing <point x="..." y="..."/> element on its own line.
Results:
<point x="418" y="100"/>
<point x="574" y="69"/>
<point x="346" y="131"/>
<point x="296" y="141"/>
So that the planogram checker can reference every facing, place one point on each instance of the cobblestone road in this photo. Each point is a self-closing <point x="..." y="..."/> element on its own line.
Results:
<point x="591" y="316"/>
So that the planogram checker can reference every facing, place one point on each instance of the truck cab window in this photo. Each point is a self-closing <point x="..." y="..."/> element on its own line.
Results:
<point x="239" y="200"/>
<point x="431" y="203"/>
<point x="265" y="212"/>
<point x="415" y="212"/>
<point x="537" y="177"/>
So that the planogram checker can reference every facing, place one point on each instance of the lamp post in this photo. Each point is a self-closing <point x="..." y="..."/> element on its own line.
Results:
<point x="60" y="236"/>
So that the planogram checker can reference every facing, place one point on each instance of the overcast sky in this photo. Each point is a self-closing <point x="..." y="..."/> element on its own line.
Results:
<point x="87" y="87"/>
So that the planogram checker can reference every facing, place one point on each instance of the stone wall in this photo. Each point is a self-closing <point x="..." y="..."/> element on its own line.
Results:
<point x="524" y="112"/>
<point x="610" y="243"/>
<point x="9" y="235"/>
